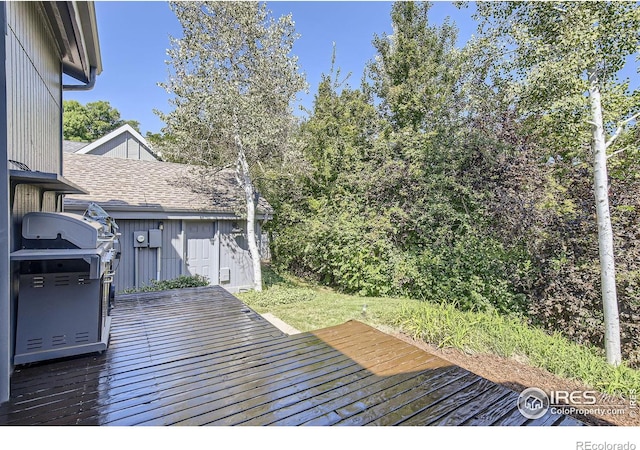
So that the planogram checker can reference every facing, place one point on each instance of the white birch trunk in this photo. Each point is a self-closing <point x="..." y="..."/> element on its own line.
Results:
<point x="250" y="196"/>
<point x="605" y="231"/>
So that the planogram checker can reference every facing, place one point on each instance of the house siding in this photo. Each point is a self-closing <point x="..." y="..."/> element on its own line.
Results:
<point x="34" y="89"/>
<point x="6" y="341"/>
<point x="31" y="135"/>
<point x="124" y="146"/>
<point x="34" y="116"/>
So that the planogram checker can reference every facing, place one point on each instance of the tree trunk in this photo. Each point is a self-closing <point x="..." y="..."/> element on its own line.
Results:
<point x="605" y="231"/>
<point x="250" y="197"/>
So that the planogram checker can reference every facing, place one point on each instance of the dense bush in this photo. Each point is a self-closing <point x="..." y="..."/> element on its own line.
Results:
<point x="440" y="180"/>
<point x="342" y="251"/>
<point x="183" y="281"/>
<point x="356" y="257"/>
<point x="550" y="209"/>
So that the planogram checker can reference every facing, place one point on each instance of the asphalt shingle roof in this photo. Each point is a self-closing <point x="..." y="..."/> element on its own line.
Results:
<point x="72" y="146"/>
<point x="143" y="185"/>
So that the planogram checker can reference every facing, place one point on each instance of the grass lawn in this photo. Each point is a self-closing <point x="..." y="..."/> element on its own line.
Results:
<point x="308" y="307"/>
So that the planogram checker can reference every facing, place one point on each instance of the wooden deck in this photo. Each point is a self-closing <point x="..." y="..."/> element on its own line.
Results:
<point x="201" y="357"/>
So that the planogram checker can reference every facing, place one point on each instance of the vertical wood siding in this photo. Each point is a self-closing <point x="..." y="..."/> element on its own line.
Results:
<point x="171" y="264"/>
<point x="125" y="269"/>
<point x="172" y="250"/>
<point x="34" y="109"/>
<point x="34" y="91"/>
<point x="116" y="147"/>
<point x="124" y="146"/>
<point x="234" y="255"/>
<point x="34" y="114"/>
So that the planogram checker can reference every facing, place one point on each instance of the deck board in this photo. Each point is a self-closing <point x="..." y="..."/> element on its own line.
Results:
<point x="202" y="357"/>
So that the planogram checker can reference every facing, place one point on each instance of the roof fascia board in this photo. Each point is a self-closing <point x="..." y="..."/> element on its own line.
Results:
<point x="140" y="214"/>
<point x="87" y="16"/>
<point x="74" y="26"/>
<point x="157" y="215"/>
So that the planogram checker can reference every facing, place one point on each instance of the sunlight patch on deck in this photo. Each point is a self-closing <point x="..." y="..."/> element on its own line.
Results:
<point x="384" y="354"/>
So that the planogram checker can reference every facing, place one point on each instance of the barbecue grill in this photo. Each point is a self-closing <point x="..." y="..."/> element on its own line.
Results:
<point x="65" y="292"/>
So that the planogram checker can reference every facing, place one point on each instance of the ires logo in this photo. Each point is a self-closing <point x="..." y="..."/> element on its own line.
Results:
<point x="578" y="398"/>
<point x="534" y="403"/>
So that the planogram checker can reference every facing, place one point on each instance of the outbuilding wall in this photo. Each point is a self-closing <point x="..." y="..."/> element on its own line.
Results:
<point x="233" y="256"/>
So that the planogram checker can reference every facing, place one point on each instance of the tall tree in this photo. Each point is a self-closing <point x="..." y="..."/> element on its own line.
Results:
<point x="86" y="123"/>
<point x="233" y="80"/>
<point x="418" y="69"/>
<point x="566" y="57"/>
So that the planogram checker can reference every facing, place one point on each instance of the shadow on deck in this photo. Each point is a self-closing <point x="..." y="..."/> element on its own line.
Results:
<point x="202" y="357"/>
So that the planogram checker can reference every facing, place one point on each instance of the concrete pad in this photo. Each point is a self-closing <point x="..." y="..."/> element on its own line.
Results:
<point x="282" y="326"/>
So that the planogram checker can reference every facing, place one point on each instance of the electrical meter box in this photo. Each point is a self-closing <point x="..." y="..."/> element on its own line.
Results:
<point x="155" y="238"/>
<point x="140" y="239"/>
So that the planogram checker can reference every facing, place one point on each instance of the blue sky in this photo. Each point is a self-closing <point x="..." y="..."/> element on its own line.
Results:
<point x="134" y="37"/>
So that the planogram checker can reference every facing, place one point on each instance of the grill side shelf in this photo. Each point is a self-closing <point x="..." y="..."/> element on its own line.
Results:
<point x="96" y="258"/>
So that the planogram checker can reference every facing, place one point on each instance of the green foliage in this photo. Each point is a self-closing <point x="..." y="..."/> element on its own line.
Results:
<point x="183" y="281"/>
<point x="446" y="326"/>
<point x="393" y="210"/>
<point x="86" y="123"/>
<point x="474" y="274"/>
<point x="563" y="62"/>
<point x="417" y="72"/>
<point x="550" y="48"/>
<point x="309" y="307"/>
<point x="459" y="176"/>
<point x="232" y="80"/>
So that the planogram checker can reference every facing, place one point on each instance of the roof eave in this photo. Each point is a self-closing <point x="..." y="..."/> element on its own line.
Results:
<point x="75" y="29"/>
<point x="116" y="210"/>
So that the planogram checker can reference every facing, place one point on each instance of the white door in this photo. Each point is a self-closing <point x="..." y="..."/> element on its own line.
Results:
<point x="202" y="250"/>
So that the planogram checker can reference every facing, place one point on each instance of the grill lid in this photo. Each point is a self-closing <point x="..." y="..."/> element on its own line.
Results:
<point x="62" y="230"/>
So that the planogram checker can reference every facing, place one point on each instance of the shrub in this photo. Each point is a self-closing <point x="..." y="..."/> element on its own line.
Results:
<point x="183" y="281"/>
<point x="355" y="254"/>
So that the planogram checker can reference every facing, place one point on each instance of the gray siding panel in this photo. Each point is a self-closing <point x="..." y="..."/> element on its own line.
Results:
<point x="126" y="269"/>
<point x="33" y="89"/>
<point x="145" y="155"/>
<point x="116" y="147"/>
<point x="234" y="254"/>
<point x="7" y="305"/>
<point x="171" y="250"/>
<point x="124" y="146"/>
<point x="33" y="118"/>
<point x="171" y="254"/>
